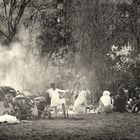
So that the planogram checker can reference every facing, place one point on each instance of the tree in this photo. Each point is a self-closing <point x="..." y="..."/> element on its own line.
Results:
<point x="10" y="15"/>
<point x="130" y="21"/>
<point x="93" y="27"/>
<point x="54" y="30"/>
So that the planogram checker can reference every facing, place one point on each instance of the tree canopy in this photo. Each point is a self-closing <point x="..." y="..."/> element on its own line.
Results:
<point x="89" y="34"/>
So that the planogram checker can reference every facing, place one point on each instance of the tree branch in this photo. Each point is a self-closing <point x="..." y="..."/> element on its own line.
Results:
<point x="4" y="34"/>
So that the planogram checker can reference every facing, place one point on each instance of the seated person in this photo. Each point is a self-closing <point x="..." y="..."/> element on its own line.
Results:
<point x="136" y="105"/>
<point x="120" y="101"/>
<point x="41" y="104"/>
<point x="80" y="103"/>
<point x="137" y="108"/>
<point x="105" y="103"/>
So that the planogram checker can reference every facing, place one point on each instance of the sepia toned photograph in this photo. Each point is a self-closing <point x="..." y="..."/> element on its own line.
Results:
<point x="69" y="69"/>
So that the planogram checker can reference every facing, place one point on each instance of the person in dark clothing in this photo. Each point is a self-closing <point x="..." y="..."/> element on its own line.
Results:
<point x="41" y="104"/>
<point x="137" y="109"/>
<point x="48" y="99"/>
<point x="120" y="101"/>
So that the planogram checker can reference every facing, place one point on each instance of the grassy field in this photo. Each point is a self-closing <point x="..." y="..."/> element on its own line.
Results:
<point x="114" y="126"/>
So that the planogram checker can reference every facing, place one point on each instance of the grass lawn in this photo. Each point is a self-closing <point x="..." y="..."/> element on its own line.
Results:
<point x="90" y="127"/>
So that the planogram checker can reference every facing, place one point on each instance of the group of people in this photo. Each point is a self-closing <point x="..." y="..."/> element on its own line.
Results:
<point x="56" y="99"/>
<point x="109" y="103"/>
<point x="125" y="100"/>
<point x="121" y="102"/>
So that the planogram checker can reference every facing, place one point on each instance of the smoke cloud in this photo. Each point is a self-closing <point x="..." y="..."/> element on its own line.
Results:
<point x="20" y="68"/>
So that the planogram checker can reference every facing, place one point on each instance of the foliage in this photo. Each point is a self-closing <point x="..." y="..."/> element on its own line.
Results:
<point x="130" y="22"/>
<point x="11" y="13"/>
<point x="54" y="35"/>
<point x="76" y="33"/>
<point x="121" y="58"/>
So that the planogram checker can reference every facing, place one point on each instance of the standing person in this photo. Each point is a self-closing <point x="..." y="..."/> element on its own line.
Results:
<point x="55" y="99"/>
<point x="80" y="103"/>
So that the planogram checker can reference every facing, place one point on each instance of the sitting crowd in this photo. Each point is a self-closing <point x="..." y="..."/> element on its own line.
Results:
<point x="122" y="101"/>
<point x="125" y="100"/>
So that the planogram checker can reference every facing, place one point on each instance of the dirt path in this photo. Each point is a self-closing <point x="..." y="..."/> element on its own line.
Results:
<point x="94" y="126"/>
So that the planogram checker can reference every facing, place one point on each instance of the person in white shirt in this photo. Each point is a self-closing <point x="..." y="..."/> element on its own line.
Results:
<point x="56" y="100"/>
<point x="80" y="103"/>
<point x="105" y="103"/>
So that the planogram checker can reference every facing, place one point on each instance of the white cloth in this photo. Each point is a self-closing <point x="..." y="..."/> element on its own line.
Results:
<point x="105" y="103"/>
<point x="55" y="97"/>
<point x="9" y="119"/>
<point x="80" y="103"/>
<point x="106" y="99"/>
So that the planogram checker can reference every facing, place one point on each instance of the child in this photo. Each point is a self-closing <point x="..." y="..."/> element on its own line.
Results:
<point x="55" y="99"/>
